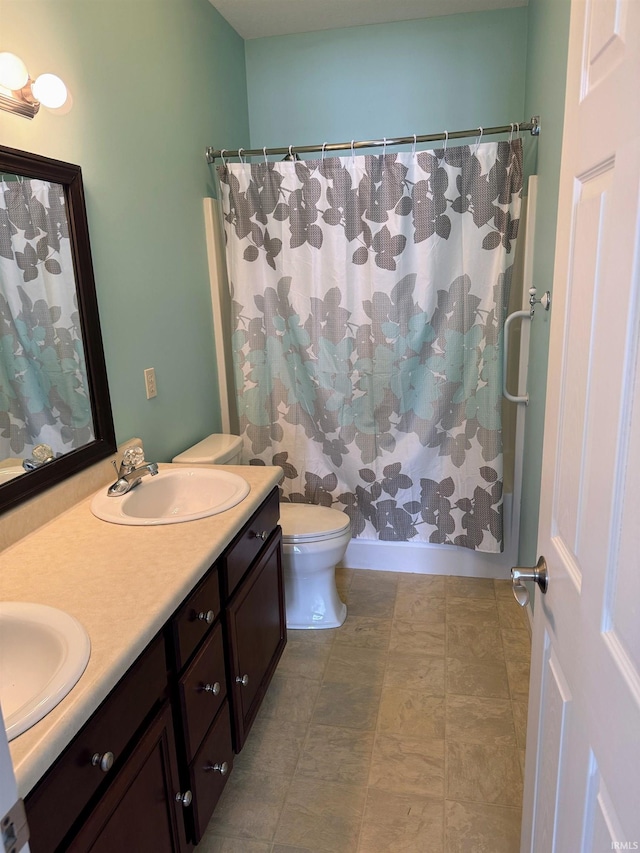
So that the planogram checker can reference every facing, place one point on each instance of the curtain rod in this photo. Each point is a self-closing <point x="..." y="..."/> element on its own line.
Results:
<point x="533" y="125"/>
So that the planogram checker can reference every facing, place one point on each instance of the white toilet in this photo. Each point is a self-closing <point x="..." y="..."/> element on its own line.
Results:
<point x="314" y="540"/>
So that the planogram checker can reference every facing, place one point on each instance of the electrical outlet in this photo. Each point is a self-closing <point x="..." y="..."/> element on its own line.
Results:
<point x="150" y="382"/>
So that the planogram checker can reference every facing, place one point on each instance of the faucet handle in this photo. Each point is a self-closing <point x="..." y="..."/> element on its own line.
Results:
<point x="131" y="458"/>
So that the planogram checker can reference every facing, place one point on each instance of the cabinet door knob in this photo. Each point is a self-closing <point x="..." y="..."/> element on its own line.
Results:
<point x="104" y="761"/>
<point x="242" y="679"/>
<point x="212" y="688"/>
<point x="222" y="769"/>
<point x="260" y="534"/>
<point x="207" y="616"/>
<point x="185" y="798"/>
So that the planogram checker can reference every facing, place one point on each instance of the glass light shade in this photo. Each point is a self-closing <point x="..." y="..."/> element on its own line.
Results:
<point x="49" y="90"/>
<point x="13" y="72"/>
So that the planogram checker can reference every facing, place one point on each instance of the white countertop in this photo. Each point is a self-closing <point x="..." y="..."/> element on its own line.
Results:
<point x="122" y="583"/>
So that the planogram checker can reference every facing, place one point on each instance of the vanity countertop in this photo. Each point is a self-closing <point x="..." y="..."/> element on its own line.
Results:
<point x="122" y="583"/>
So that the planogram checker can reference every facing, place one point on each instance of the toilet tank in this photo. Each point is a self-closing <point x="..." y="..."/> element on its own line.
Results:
<point x="215" y="449"/>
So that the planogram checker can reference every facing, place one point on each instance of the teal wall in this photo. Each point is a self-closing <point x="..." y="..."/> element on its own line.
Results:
<point x="368" y="82"/>
<point x="153" y="82"/>
<point x="548" y="43"/>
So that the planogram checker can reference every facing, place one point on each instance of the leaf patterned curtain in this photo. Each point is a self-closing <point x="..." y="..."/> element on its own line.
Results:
<point x="369" y="296"/>
<point x="43" y="383"/>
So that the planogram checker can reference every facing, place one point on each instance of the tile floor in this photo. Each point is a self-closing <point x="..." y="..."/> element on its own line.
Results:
<point x="404" y="730"/>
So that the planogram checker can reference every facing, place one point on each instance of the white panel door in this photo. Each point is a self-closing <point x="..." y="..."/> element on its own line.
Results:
<point x="582" y="777"/>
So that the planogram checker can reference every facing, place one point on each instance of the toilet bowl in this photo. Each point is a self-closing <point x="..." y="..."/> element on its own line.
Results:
<point x="314" y="540"/>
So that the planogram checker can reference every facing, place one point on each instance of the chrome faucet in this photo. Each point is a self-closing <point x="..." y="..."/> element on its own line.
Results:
<point x="131" y="471"/>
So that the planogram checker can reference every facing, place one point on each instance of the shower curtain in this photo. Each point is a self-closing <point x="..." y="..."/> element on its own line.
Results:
<point x="43" y="381"/>
<point x="369" y="295"/>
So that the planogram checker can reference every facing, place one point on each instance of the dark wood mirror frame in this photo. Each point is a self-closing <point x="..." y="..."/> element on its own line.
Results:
<point x="104" y="444"/>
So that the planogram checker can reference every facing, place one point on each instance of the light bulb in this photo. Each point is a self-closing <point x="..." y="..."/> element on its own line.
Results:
<point x="49" y="90"/>
<point x="13" y="72"/>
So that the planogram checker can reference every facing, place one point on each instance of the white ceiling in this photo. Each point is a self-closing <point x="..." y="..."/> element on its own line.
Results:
<point x="258" y="18"/>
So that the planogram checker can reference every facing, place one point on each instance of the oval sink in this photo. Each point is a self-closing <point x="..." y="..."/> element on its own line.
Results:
<point x="175" y="494"/>
<point x="43" y="653"/>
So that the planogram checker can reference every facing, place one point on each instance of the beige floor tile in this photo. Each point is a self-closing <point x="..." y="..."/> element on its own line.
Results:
<point x="301" y="659"/>
<point x="290" y="699"/>
<point x="517" y="644"/>
<point x="351" y="706"/>
<point x="353" y="665"/>
<point x="512" y="615"/>
<point x="323" y="636"/>
<point x="483" y="642"/>
<point x="518" y="673"/>
<point x="472" y="611"/>
<point x="219" y="844"/>
<point x="483" y="773"/>
<point x="475" y="719"/>
<point x="366" y="579"/>
<point x="469" y="588"/>
<point x="364" y="632"/>
<point x="333" y="754"/>
<point x="250" y="805"/>
<point x="411" y="713"/>
<point x="412" y="606"/>
<point x="375" y="601"/>
<point x="521" y="754"/>
<point x="520" y="721"/>
<point x="401" y="823"/>
<point x="417" y="638"/>
<point x="344" y="577"/>
<point x="503" y="590"/>
<point x="433" y="585"/>
<point x="275" y="744"/>
<point x="287" y="848"/>
<point x="473" y="677"/>
<point x="321" y="816"/>
<point x="415" y="672"/>
<point x="481" y="828"/>
<point x="408" y="765"/>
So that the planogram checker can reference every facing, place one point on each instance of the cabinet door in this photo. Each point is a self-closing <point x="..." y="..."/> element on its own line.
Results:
<point x="256" y="627"/>
<point x="139" y="810"/>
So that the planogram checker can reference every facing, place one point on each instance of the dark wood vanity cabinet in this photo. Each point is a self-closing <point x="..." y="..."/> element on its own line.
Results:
<point x="146" y="771"/>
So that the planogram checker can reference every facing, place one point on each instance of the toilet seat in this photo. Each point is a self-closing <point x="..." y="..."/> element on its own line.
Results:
<point x="311" y="523"/>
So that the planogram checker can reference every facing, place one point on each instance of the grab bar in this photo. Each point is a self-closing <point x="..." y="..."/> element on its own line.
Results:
<point x="545" y="301"/>
<point x="526" y="315"/>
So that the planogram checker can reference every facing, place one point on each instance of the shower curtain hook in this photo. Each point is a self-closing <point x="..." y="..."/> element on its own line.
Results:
<point x="240" y="150"/>
<point x="291" y="154"/>
<point x="446" y="145"/>
<point x="518" y="126"/>
<point x="324" y="145"/>
<point x="413" y="147"/>
<point x="224" y="162"/>
<point x="511" y="134"/>
<point x="481" y="129"/>
<point x="353" y="156"/>
<point x="384" y="147"/>
<point x="264" y="151"/>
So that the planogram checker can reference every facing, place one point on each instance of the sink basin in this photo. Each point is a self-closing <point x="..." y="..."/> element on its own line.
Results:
<point x="43" y="653"/>
<point x="175" y="494"/>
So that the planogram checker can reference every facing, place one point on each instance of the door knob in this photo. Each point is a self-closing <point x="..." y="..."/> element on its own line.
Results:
<point x="520" y="574"/>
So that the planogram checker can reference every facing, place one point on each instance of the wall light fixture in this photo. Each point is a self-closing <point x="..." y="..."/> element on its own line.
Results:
<point x="22" y="95"/>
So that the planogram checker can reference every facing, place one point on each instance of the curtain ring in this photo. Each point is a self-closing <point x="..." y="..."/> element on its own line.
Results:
<point x="264" y="151"/>
<point x="291" y="154"/>
<point x="224" y="162"/>
<point x="518" y="128"/>
<point x="511" y="134"/>
<point x="352" y="144"/>
<point x="324" y="145"/>
<point x="481" y="129"/>
<point x="413" y="147"/>
<point x="240" y="150"/>
<point x="384" y="147"/>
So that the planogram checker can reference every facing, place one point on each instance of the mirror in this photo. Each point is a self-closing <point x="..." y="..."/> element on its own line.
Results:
<point x="55" y="412"/>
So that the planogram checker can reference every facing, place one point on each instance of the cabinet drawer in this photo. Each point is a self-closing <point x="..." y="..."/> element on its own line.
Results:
<point x="249" y="542"/>
<point x="192" y="621"/>
<point x="199" y="700"/>
<point x="60" y="796"/>
<point x="207" y="783"/>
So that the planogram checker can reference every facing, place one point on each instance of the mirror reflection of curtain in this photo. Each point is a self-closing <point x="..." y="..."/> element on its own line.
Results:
<point x="43" y="384"/>
<point x="369" y="298"/>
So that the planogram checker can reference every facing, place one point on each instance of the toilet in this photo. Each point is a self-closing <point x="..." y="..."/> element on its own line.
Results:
<point x="314" y="540"/>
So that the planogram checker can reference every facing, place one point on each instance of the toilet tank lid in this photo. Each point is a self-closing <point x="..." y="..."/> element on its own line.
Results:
<point x="216" y="449"/>
<point x="299" y="520"/>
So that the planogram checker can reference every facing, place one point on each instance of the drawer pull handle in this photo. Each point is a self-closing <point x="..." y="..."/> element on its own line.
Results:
<point x="242" y="679"/>
<point x="207" y="616"/>
<point x="185" y="799"/>
<point x="262" y="534"/>
<point x="104" y="761"/>
<point x="212" y="688"/>
<point x="222" y="769"/>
